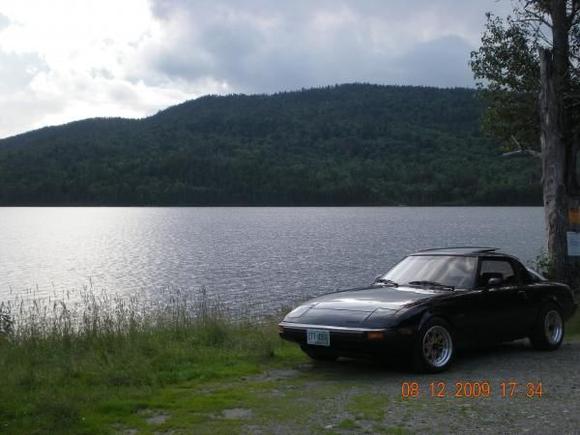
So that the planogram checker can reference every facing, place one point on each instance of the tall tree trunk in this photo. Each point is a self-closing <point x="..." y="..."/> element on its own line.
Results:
<point x="553" y="166"/>
<point x="561" y="48"/>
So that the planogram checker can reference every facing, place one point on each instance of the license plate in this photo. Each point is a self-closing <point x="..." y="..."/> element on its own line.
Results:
<point x="318" y="337"/>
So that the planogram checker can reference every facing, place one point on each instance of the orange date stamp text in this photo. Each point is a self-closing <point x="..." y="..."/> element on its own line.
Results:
<point x="509" y="389"/>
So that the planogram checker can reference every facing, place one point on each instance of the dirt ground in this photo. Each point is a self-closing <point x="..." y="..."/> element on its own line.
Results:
<point x="508" y="388"/>
<point x="351" y="396"/>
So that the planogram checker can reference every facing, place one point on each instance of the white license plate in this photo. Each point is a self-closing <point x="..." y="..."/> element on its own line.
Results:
<point x="318" y="337"/>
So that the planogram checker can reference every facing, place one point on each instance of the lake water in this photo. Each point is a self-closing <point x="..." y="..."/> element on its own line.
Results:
<point x="264" y="256"/>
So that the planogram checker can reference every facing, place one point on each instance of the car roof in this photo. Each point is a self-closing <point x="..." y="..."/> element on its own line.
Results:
<point x="461" y="250"/>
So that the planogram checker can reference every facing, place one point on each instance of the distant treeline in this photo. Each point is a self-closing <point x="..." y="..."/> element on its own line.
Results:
<point x="344" y="145"/>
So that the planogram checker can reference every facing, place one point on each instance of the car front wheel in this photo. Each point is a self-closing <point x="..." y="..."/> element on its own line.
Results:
<point x="434" y="348"/>
<point x="548" y="332"/>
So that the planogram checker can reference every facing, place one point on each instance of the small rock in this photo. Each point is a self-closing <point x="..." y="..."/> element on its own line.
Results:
<point x="157" y="419"/>
<point x="236" y="413"/>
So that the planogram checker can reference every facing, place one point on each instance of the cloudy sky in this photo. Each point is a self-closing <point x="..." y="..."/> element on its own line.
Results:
<point x="63" y="60"/>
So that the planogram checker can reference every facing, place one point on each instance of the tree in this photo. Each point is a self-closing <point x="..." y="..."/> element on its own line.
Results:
<point x="528" y="71"/>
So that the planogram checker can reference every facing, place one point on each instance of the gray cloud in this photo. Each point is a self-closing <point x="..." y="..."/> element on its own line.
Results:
<point x="4" y="22"/>
<point x="23" y="108"/>
<point x="18" y="70"/>
<point x="166" y="51"/>
<point x="441" y="62"/>
<point x="265" y="46"/>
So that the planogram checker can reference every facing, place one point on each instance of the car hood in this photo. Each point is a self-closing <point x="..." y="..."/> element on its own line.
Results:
<point x="365" y="307"/>
<point x="371" y="298"/>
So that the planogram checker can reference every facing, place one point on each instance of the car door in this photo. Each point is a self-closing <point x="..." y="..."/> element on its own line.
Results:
<point x="529" y="293"/>
<point x="504" y="306"/>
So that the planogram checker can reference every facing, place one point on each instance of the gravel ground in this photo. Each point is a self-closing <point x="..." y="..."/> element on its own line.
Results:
<point x="360" y="396"/>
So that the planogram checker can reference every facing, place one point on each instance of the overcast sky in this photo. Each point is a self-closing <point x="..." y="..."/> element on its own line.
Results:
<point x="64" y="60"/>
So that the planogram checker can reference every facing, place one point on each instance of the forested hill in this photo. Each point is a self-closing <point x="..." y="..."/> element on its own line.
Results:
<point x="341" y="145"/>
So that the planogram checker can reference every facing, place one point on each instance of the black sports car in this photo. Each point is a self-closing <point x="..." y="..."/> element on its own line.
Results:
<point x="429" y="304"/>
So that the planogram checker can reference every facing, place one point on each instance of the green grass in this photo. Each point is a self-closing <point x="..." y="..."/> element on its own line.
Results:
<point x="573" y="326"/>
<point x="105" y="364"/>
<point x="89" y="384"/>
<point x="368" y="406"/>
<point x="347" y="423"/>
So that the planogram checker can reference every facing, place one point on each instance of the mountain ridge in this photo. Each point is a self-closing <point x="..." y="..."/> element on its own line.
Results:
<point x="352" y="144"/>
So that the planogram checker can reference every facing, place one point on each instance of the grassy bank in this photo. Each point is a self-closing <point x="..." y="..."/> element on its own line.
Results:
<point x="573" y="326"/>
<point x="100" y="363"/>
<point x="96" y="383"/>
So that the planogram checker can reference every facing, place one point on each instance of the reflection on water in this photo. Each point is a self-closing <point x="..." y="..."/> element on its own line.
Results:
<point x="266" y="256"/>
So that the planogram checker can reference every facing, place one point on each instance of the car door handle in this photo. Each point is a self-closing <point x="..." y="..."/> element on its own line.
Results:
<point x="523" y="294"/>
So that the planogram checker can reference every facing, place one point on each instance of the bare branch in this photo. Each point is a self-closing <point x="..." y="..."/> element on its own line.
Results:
<point x="542" y="37"/>
<point x="534" y="18"/>
<point x="521" y="150"/>
<point x="529" y="152"/>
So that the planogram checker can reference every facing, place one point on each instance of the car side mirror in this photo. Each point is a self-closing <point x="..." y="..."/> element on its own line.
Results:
<point x="494" y="282"/>
<point x="378" y="279"/>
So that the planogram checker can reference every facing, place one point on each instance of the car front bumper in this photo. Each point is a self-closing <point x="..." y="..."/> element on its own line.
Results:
<point x="352" y="341"/>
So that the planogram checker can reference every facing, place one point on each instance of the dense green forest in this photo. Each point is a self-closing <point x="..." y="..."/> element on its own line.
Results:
<point x="341" y="145"/>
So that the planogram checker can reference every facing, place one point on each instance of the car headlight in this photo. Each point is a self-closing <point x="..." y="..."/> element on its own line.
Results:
<point x="381" y="317"/>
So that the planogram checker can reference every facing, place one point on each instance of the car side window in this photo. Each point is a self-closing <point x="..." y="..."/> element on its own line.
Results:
<point x="496" y="269"/>
<point x="524" y="276"/>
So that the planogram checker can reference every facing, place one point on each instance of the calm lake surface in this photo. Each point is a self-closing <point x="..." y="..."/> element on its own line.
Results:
<point x="263" y="256"/>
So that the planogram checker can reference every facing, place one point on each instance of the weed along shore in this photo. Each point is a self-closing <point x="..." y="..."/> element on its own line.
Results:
<point x="107" y="366"/>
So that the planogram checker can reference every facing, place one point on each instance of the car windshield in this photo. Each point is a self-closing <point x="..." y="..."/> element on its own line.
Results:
<point x="447" y="270"/>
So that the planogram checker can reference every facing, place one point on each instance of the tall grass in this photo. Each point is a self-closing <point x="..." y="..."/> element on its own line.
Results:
<point x="77" y="364"/>
<point x="91" y="313"/>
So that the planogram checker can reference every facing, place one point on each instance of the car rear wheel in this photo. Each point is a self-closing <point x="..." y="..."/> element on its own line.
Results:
<point x="548" y="332"/>
<point x="319" y="354"/>
<point x="434" y="348"/>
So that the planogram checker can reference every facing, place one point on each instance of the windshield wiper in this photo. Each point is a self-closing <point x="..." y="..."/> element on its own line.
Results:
<point x="432" y="284"/>
<point x="386" y="282"/>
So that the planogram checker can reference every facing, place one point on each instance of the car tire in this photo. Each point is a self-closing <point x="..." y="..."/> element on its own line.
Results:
<point x="548" y="332"/>
<point x="434" y="347"/>
<point x="319" y="354"/>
